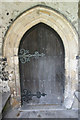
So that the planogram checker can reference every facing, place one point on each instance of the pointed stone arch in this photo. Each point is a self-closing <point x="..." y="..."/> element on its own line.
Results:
<point x="65" y="30"/>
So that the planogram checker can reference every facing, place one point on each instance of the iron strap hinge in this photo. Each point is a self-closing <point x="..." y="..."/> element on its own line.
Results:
<point x="27" y="95"/>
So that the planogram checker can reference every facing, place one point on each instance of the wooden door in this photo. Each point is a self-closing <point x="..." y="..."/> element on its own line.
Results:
<point x="41" y="65"/>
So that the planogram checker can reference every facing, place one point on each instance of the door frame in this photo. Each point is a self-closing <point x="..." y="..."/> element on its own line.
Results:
<point x="69" y="38"/>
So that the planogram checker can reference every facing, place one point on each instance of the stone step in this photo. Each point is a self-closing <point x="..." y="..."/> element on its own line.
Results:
<point x="3" y="100"/>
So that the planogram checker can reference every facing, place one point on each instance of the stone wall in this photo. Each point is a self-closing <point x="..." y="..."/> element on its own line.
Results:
<point x="79" y="41"/>
<point x="11" y="10"/>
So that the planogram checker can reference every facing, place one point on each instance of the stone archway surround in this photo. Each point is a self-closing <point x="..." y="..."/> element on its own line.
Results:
<point x="62" y="27"/>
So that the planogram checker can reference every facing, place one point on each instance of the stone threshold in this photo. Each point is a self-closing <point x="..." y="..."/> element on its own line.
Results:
<point x="43" y="107"/>
<point x="48" y="113"/>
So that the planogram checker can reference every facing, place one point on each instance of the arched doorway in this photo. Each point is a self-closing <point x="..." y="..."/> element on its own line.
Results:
<point x="41" y="66"/>
<point x="68" y="36"/>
